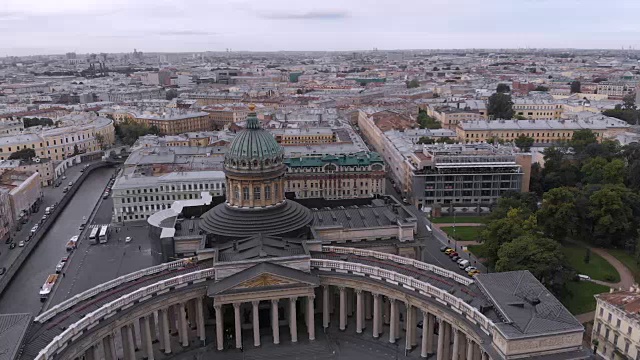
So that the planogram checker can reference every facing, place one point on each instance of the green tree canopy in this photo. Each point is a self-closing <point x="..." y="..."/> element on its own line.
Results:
<point x="427" y="122"/>
<point x="524" y="143"/>
<point x="541" y="88"/>
<point x="575" y="86"/>
<point x="129" y="131"/>
<point x="582" y="138"/>
<point x="610" y="218"/>
<point x="171" y="94"/>
<point x="558" y="215"/>
<point x="500" y="106"/>
<point x="503" y="88"/>
<point x="503" y="230"/>
<point x="23" y="154"/>
<point x="425" y="140"/>
<point x="29" y="122"/>
<point x="543" y="257"/>
<point x="414" y="83"/>
<point x="600" y="171"/>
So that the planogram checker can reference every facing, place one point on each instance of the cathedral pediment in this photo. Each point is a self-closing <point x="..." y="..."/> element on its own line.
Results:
<point x="267" y="276"/>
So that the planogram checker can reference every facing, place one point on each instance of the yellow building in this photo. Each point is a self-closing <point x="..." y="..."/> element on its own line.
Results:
<point x="222" y="115"/>
<point x="173" y="122"/>
<point x="537" y="109"/>
<point x="542" y="131"/>
<point x="307" y="136"/>
<point x="77" y="134"/>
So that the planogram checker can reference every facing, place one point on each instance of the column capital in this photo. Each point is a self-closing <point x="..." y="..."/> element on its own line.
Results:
<point x="375" y="295"/>
<point x="392" y="300"/>
<point x="255" y="302"/>
<point x="236" y="305"/>
<point x="425" y="313"/>
<point x="358" y="291"/>
<point x="293" y="299"/>
<point x="312" y="296"/>
<point x="274" y="302"/>
<point x="469" y="340"/>
<point x="341" y="288"/>
<point x="217" y="307"/>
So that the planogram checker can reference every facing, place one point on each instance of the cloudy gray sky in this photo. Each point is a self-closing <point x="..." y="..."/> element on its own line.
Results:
<point x="58" y="26"/>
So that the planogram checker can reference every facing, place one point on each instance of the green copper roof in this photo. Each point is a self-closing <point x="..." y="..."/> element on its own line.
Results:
<point x="254" y="143"/>
<point x="358" y="159"/>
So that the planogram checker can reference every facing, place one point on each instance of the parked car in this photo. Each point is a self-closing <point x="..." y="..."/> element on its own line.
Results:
<point x="449" y="251"/>
<point x="65" y="189"/>
<point x="473" y="273"/>
<point x="463" y="264"/>
<point x="455" y="258"/>
<point x="127" y="239"/>
<point x="12" y="246"/>
<point x="445" y="248"/>
<point x="64" y="177"/>
<point x="21" y="244"/>
<point x="453" y="254"/>
<point x="60" y="266"/>
<point x="8" y="241"/>
<point x="469" y="268"/>
<point x="584" y="277"/>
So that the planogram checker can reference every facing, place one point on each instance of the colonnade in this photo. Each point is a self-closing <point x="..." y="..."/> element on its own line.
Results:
<point x="422" y="330"/>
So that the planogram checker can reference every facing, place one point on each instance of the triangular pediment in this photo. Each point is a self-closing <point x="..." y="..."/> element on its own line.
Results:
<point x="264" y="275"/>
<point x="264" y="280"/>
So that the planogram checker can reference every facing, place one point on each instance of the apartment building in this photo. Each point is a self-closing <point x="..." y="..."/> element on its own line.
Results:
<point x="44" y="168"/>
<point x="616" y="325"/>
<point x="76" y="133"/>
<point x="542" y="131"/>
<point x="174" y="122"/>
<point x="6" y="215"/>
<point x="10" y="127"/>
<point x="304" y="136"/>
<point x="222" y="115"/>
<point x="450" y="116"/>
<point x="615" y="90"/>
<point x="345" y="176"/>
<point x="24" y="191"/>
<point x="466" y="174"/>
<point x="535" y="109"/>
<point x="136" y="196"/>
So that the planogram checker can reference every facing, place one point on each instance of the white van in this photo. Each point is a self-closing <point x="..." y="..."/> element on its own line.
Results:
<point x="47" y="211"/>
<point x="463" y="264"/>
<point x="584" y="277"/>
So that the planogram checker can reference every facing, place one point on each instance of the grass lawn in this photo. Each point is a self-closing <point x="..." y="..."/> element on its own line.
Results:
<point x="628" y="260"/>
<point x="579" y="297"/>
<point x="597" y="268"/>
<point x="478" y="251"/>
<point x="459" y="219"/>
<point x="464" y="233"/>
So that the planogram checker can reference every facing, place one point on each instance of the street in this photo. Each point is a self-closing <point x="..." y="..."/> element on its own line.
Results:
<point x="22" y="294"/>
<point x="432" y="241"/>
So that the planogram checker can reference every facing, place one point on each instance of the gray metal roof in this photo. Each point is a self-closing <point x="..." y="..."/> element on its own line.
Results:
<point x="13" y="327"/>
<point x="260" y="246"/>
<point x="525" y="305"/>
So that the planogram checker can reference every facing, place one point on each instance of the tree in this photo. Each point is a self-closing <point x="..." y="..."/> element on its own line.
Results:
<point x="541" y="88"/>
<point x="600" y="171"/>
<point x="171" y="94"/>
<point x="630" y="115"/>
<point x="425" y="140"/>
<point x="524" y="143"/>
<point x="445" y="140"/>
<point x="587" y="255"/>
<point x="414" y="83"/>
<point x="500" y="106"/>
<point x="503" y="88"/>
<point x="29" y="122"/>
<point x="23" y="154"/>
<point x="435" y="68"/>
<point x="575" y="86"/>
<point x="582" y="138"/>
<point x="558" y="214"/>
<point x="76" y="150"/>
<point x="629" y="102"/>
<point x="503" y="230"/>
<point x="543" y="257"/>
<point x="426" y="121"/>
<point x="609" y="219"/>
<point x="129" y="131"/>
<point x="101" y="142"/>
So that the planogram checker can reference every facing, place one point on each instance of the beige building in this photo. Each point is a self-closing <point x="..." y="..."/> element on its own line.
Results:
<point x="542" y="131"/>
<point x="616" y="325"/>
<point x="44" y="168"/>
<point x="306" y="136"/>
<point x="450" y="116"/>
<point x="222" y="115"/>
<point x="24" y="191"/>
<point x="77" y="134"/>
<point x="174" y="122"/>
<point x="537" y="109"/>
<point x="6" y="215"/>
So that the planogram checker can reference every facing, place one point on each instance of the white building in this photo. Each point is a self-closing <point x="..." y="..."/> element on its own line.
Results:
<point x="616" y="325"/>
<point x="136" y="197"/>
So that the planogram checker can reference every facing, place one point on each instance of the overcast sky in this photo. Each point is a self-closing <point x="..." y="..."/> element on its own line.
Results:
<point x="59" y="26"/>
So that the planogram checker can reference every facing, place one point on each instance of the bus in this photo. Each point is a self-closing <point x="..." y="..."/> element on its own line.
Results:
<point x="94" y="235"/>
<point x="104" y="234"/>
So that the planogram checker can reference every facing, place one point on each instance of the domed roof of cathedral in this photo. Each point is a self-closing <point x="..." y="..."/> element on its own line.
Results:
<point x="253" y="146"/>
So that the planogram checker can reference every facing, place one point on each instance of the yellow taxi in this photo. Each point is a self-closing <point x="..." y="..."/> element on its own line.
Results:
<point x="449" y="251"/>
<point x="473" y="272"/>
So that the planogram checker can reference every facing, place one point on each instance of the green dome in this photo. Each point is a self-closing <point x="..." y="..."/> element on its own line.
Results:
<point x="253" y="147"/>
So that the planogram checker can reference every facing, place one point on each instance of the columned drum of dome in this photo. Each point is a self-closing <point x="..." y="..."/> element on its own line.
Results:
<point x="255" y="201"/>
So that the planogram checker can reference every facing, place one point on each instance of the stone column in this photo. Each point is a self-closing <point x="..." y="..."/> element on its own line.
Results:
<point x="376" y="315"/>
<point x="275" y="326"/>
<point x="456" y="344"/>
<point x="440" y="351"/>
<point x="293" y="324"/>
<point x="367" y="305"/>
<point x="343" y="309"/>
<point x="128" y="343"/>
<point x="99" y="350"/>
<point x="89" y="354"/>
<point x="469" y="349"/>
<point x="485" y="355"/>
<point x="447" y="340"/>
<point x="311" y="324"/>
<point x="236" y="315"/>
<point x="431" y="329"/>
<point x="182" y="320"/>
<point x="359" y="314"/>
<point x="137" y="338"/>
<point x="325" y="306"/>
<point x="256" y="323"/>
<point x="397" y="326"/>
<point x="409" y="328"/>
<point x="191" y="313"/>
<point x="393" y="321"/>
<point x="219" y="327"/>
<point x="414" y="326"/>
<point x="145" y="333"/>
<point x="349" y="302"/>
<point x="152" y="326"/>
<point x="171" y="312"/>
<point x="424" y="346"/>
<point x="109" y="348"/>
<point x="200" y="319"/>
<point x="165" y="331"/>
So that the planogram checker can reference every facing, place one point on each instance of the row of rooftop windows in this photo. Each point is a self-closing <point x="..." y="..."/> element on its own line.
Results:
<point x="179" y="187"/>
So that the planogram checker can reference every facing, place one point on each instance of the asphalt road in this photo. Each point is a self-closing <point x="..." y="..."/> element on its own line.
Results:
<point x="432" y="241"/>
<point x="21" y="296"/>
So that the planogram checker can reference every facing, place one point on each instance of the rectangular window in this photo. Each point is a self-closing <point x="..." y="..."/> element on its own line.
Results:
<point x="267" y="192"/>
<point x="256" y="193"/>
<point x="245" y="193"/>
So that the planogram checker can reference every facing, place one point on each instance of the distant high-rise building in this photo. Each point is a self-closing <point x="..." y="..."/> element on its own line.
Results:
<point x="71" y="55"/>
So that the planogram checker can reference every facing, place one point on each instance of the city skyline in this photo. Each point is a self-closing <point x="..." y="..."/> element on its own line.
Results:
<point x="32" y="27"/>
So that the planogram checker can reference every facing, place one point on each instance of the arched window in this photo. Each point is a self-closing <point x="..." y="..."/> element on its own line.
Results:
<point x="245" y="193"/>
<point x="267" y="192"/>
<point x="256" y="193"/>
<point x="237" y="193"/>
<point x="255" y="163"/>
<point x="275" y="191"/>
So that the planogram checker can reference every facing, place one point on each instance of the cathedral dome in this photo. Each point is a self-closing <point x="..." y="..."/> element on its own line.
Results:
<point x="254" y="149"/>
